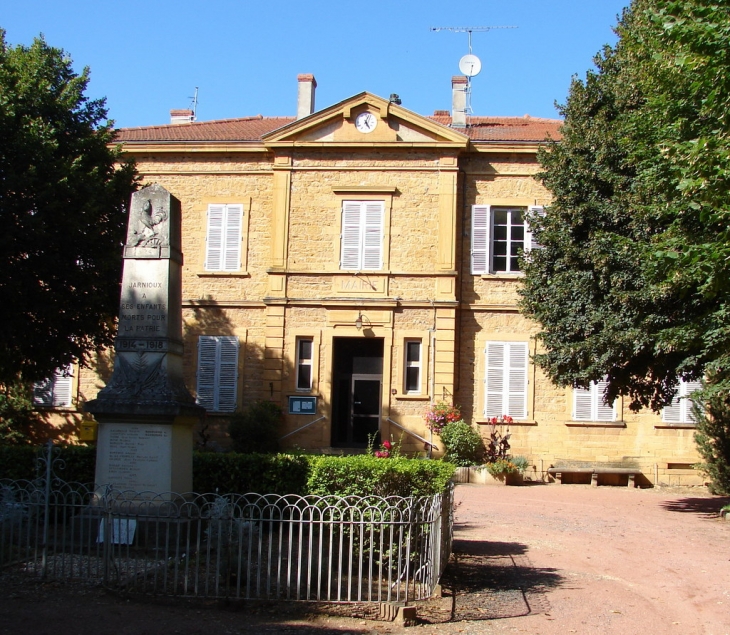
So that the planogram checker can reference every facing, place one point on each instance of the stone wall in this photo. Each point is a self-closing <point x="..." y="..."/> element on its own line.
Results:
<point x="291" y="285"/>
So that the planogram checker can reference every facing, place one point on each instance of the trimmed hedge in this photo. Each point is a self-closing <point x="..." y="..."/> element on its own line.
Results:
<point x="18" y="462"/>
<point x="231" y="472"/>
<point x="365" y="475"/>
<point x="242" y="473"/>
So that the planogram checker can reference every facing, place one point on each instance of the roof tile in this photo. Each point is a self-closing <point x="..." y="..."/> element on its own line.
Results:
<point x="252" y="129"/>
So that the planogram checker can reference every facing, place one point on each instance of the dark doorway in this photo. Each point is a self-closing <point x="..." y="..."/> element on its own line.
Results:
<point x="357" y="378"/>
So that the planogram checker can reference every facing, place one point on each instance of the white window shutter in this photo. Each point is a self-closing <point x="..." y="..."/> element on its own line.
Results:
<point x="603" y="412"/>
<point x="505" y="384"/>
<point x="43" y="392"/>
<point x="673" y="412"/>
<point x="350" y="250"/>
<point x="373" y="236"/>
<point x="217" y="372"/>
<point x="588" y="404"/>
<point x="227" y="373"/>
<point x="480" y="240"/>
<point x="689" y="388"/>
<point x="207" y="356"/>
<point x="56" y="391"/>
<point x="530" y="242"/>
<point x="63" y="387"/>
<point x="232" y="243"/>
<point x="680" y="410"/>
<point x="517" y="383"/>
<point x="214" y="244"/>
<point x="582" y="405"/>
<point x="494" y="379"/>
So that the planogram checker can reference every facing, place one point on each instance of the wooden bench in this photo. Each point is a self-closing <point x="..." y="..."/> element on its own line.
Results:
<point x="558" y="472"/>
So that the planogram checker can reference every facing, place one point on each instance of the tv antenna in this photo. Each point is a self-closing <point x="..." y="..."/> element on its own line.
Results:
<point x="469" y="65"/>
<point x="194" y="104"/>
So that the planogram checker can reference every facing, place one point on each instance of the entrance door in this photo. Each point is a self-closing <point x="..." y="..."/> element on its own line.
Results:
<point x="365" y="407"/>
<point x="357" y="376"/>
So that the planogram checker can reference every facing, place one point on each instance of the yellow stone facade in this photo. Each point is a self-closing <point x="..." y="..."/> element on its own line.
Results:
<point x="292" y="184"/>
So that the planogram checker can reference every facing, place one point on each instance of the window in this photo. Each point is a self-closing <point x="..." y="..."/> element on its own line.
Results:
<point x="305" y="346"/>
<point x="412" y="379"/>
<point x="680" y="411"/>
<point x="499" y="234"/>
<point x="588" y="404"/>
<point x="362" y="235"/>
<point x="505" y="383"/>
<point x="55" y="392"/>
<point x="217" y="372"/>
<point x="223" y="242"/>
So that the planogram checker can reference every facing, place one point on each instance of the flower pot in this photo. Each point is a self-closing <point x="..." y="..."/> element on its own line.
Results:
<point x="461" y="475"/>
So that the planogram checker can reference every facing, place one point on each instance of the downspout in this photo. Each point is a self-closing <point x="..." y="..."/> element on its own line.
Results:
<point x="432" y="359"/>
<point x="460" y="251"/>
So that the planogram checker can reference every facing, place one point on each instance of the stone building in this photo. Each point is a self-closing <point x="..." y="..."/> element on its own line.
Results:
<point x="356" y="263"/>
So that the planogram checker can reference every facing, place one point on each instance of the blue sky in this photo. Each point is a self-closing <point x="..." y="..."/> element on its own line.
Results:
<point x="244" y="56"/>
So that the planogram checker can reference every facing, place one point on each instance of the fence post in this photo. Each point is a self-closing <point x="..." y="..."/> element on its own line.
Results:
<point x="46" y="510"/>
<point x="107" y="516"/>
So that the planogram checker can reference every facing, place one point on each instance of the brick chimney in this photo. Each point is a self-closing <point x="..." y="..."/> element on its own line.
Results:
<point x="305" y="95"/>
<point x="181" y="116"/>
<point x="458" y="101"/>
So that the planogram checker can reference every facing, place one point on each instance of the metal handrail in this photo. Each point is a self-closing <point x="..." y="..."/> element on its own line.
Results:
<point x="413" y="434"/>
<point x="306" y="425"/>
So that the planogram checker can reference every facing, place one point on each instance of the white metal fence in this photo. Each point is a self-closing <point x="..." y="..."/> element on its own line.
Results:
<point x="250" y="546"/>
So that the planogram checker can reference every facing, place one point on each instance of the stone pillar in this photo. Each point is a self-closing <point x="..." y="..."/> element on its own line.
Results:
<point x="145" y="412"/>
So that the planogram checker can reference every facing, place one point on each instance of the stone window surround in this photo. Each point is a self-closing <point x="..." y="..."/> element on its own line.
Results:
<point x="291" y="358"/>
<point x="72" y="388"/>
<point x="527" y="204"/>
<point x="402" y="337"/>
<point x="595" y="395"/>
<point x="239" y="342"/>
<point x="380" y="193"/>
<point x="245" y="220"/>
<point x="480" y="373"/>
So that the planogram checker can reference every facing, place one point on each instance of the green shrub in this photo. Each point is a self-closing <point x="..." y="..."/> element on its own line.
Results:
<point x="364" y="475"/>
<point x="256" y="429"/>
<point x="463" y="444"/>
<point x="501" y="467"/>
<point x="521" y="463"/>
<point x="243" y="473"/>
<point x="713" y="439"/>
<point x="77" y="462"/>
<point x="80" y="463"/>
<point x="18" y="462"/>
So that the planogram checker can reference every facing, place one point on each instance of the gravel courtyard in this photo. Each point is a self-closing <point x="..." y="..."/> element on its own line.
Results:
<point x="539" y="559"/>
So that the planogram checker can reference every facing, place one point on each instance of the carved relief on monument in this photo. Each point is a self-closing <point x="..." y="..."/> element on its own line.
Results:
<point x="146" y="227"/>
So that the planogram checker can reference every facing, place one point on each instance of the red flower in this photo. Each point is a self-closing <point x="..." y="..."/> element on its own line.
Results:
<point x="387" y="445"/>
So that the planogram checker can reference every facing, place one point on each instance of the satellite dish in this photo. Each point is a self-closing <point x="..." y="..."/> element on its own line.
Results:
<point x="470" y="65"/>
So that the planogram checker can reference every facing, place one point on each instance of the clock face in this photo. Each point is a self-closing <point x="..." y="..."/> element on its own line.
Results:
<point x="366" y="122"/>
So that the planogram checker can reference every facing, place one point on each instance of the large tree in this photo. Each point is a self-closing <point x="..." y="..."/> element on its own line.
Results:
<point x="63" y="198"/>
<point x="633" y="283"/>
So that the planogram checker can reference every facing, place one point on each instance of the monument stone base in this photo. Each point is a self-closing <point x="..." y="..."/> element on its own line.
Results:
<point x="146" y="455"/>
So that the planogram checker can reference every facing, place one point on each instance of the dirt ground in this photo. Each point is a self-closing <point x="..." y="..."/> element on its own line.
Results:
<point x="541" y="559"/>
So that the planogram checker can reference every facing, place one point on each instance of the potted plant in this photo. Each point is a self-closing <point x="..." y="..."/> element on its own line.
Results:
<point x="500" y="465"/>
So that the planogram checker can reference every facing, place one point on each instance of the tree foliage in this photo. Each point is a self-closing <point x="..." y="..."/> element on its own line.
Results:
<point x="713" y="440"/>
<point x="18" y="415"/>
<point x="633" y="281"/>
<point x="63" y="196"/>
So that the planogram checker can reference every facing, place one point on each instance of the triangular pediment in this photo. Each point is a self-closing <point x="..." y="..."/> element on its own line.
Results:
<point x="368" y="120"/>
